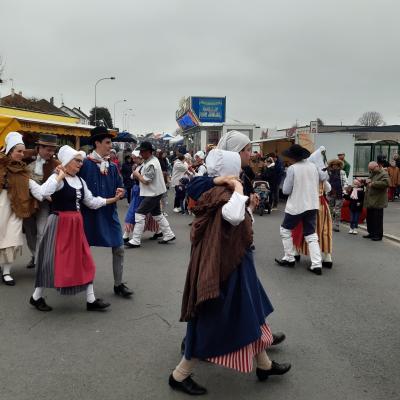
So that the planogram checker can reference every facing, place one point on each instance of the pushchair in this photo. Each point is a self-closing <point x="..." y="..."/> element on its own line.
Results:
<point x="263" y="190"/>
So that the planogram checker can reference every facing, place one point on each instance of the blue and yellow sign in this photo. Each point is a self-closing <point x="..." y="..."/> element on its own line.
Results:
<point x="209" y="109"/>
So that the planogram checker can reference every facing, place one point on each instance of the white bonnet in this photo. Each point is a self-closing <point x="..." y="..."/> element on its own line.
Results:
<point x="223" y="163"/>
<point x="67" y="153"/>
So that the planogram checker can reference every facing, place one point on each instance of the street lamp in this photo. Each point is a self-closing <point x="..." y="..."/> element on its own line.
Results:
<point x="118" y="101"/>
<point x="123" y="117"/>
<point x="127" y="120"/>
<point x="95" y="96"/>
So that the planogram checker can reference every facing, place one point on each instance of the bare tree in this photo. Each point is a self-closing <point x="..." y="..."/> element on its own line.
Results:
<point x="371" y="118"/>
<point x="320" y="122"/>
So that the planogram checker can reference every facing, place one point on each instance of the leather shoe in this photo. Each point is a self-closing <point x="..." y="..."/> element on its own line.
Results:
<point x="31" y="263"/>
<point x="297" y="258"/>
<point x="97" y="305"/>
<point x="327" y="264"/>
<point x="126" y="240"/>
<point x="10" y="282"/>
<point x="156" y="236"/>
<point x="277" y="369"/>
<point x="166" y="241"/>
<point x="129" y="245"/>
<point x="316" y="271"/>
<point x="376" y="239"/>
<point x="40" y="304"/>
<point x="123" y="290"/>
<point x="285" y="263"/>
<point x="188" y="386"/>
<point x="278" y="338"/>
<point x="367" y="236"/>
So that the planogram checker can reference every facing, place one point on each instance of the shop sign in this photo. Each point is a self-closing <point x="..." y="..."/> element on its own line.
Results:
<point x="209" y="109"/>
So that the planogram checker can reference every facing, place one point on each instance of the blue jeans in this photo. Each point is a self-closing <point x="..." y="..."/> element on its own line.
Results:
<point x="354" y="216"/>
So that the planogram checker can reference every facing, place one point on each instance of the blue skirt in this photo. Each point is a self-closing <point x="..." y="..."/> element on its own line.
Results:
<point x="234" y="319"/>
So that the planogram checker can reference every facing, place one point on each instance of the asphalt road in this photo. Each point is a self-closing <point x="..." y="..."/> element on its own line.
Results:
<point x="342" y="328"/>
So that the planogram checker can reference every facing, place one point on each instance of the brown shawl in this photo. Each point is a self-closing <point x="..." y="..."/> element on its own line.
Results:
<point x="217" y="249"/>
<point x="16" y="175"/>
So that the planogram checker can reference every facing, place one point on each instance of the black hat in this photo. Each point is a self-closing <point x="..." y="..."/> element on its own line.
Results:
<point x="47" y="140"/>
<point x="99" y="133"/>
<point x="146" y="146"/>
<point x="296" y="152"/>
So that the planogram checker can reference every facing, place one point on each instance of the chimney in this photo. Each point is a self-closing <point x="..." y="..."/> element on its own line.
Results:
<point x="12" y="92"/>
<point x="52" y="101"/>
<point x="20" y="93"/>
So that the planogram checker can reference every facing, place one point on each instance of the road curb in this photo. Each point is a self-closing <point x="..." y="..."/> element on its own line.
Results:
<point x="385" y="235"/>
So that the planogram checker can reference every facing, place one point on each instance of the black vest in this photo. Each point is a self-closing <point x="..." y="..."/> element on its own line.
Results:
<point x="68" y="198"/>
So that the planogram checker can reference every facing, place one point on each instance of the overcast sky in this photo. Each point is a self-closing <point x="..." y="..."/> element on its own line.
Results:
<point x="276" y="61"/>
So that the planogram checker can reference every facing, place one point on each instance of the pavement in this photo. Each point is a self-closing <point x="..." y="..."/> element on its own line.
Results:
<point x="342" y="327"/>
<point x="391" y="222"/>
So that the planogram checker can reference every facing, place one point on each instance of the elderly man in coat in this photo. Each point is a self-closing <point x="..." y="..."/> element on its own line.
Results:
<point x="376" y="199"/>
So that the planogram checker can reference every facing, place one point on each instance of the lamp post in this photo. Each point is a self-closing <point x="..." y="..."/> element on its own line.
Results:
<point x="118" y="101"/>
<point x="95" y="96"/>
<point x="123" y="116"/>
<point x="127" y="120"/>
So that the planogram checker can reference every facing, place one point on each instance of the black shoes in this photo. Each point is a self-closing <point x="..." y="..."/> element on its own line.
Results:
<point x="327" y="264"/>
<point x="9" y="282"/>
<point x="166" y="241"/>
<point x="277" y="369"/>
<point x="188" y="386"/>
<point x="31" y="263"/>
<point x="126" y="240"/>
<point x="297" y="258"/>
<point x="97" y="305"/>
<point x="316" y="271"/>
<point x="376" y="239"/>
<point x="278" y="338"/>
<point x="156" y="236"/>
<point x="367" y="236"/>
<point x="123" y="290"/>
<point x="285" y="263"/>
<point x="129" y="245"/>
<point x="40" y="304"/>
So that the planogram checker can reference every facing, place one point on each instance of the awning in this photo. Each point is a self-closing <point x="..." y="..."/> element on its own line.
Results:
<point x="273" y="139"/>
<point x="36" y="126"/>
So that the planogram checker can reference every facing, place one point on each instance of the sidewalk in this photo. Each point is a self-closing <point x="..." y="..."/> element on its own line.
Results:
<point x="391" y="221"/>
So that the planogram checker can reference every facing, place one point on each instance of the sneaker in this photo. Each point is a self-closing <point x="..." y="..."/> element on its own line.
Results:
<point x="351" y="231"/>
<point x="355" y="232"/>
<point x="177" y="209"/>
<point x="165" y="214"/>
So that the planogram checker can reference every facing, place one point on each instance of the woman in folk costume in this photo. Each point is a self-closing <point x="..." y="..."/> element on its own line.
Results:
<point x="224" y="303"/>
<point x="64" y="259"/>
<point x="324" y="219"/>
<point x="150" y="224"/>
<point x="16" y="202"/>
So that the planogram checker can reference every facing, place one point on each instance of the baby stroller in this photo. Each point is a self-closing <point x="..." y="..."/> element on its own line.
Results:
<point x="264" y="192"/>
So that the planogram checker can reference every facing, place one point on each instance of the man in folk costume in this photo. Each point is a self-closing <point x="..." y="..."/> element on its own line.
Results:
<point x="302" y="186"/>
<point x="224" y="303"/>
<point x="102" y="227"/>
<point x="324" y="219"/>
<point x="41" y="164"/>
<point x="152" y="188"/>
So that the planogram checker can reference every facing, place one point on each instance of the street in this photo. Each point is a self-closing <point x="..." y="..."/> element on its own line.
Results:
<point x="342" y="327"/>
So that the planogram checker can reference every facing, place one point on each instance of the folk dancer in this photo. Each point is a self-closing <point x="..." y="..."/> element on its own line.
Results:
<point x="302" y="186"/>
<point x="152" y="188"/>
<point x="64" y="260"/>
<point x="41" y="164"/>
<point x="224" y="303"/>
<point x="102" y="227"/>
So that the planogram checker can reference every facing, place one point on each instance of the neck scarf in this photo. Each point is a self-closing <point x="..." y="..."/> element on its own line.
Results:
<point x="102" y="162"/>
<point x="39" y="165"/>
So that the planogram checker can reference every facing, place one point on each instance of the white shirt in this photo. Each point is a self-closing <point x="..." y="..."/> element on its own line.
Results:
<point x="51" y="186"/>
<point x="202" y="170"/>
<point x="178" y="171"/>
<point x="302" y="186"/>
<point x="234" y="211"/>
<point x="153" y="175"/>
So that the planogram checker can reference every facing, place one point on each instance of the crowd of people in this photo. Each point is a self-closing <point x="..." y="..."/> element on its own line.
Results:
<point x="64" y="201"/>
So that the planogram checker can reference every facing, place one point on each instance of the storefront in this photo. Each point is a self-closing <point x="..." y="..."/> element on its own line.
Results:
<point x="69" y="133"/>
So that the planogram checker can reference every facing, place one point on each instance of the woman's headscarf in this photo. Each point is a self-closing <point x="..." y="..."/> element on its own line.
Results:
<point x="233" y="141"/>
<point x="223" y="163"/>
<point x="319" y="158"/>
